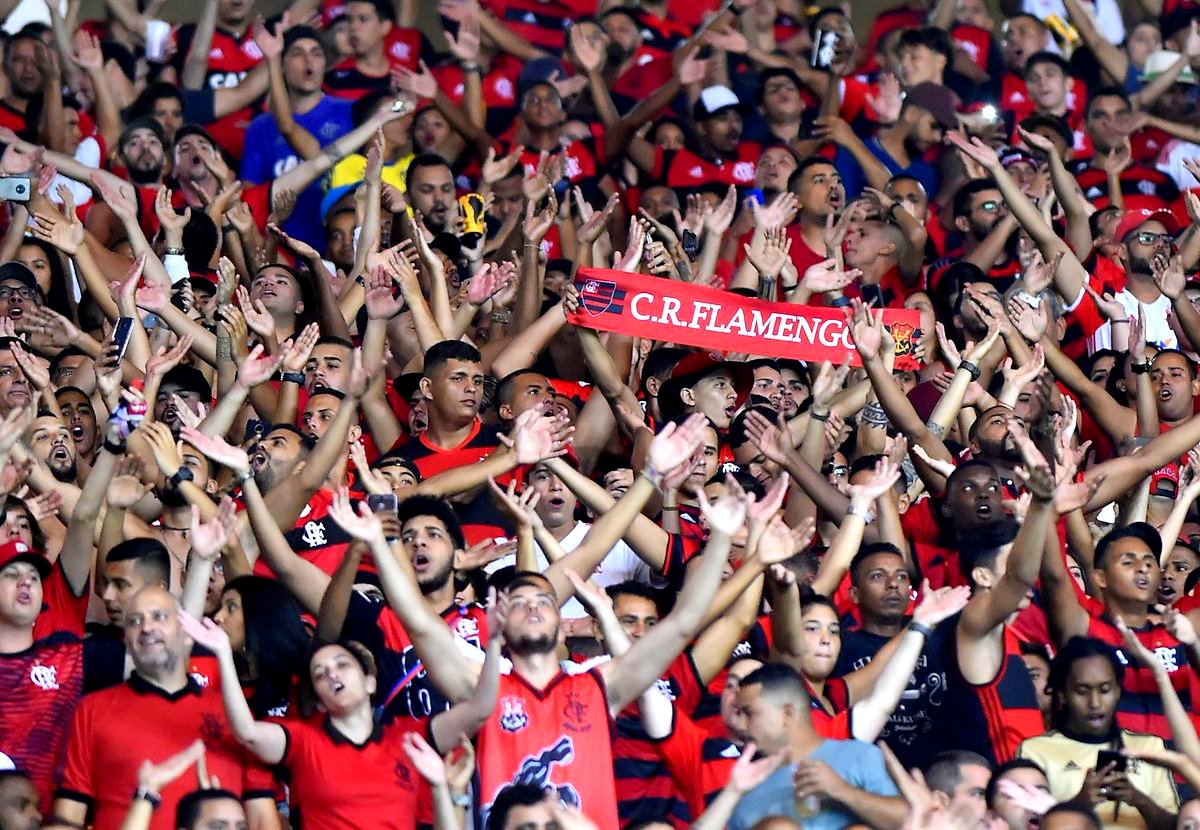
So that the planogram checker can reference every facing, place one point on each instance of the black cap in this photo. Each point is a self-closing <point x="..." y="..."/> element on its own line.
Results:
<point x="19" y="272"/>
<point x="300" y="33"/>
<point x="144" y="122"/>
<point x="1050" y="122"/>
<point x="189" y="379"/>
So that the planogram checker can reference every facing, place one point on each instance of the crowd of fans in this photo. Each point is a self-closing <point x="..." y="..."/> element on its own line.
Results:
<point x="327" y="504"/>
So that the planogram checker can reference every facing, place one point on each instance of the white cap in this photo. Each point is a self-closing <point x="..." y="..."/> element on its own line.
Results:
<point x="713" y="99"/>
<point x="1162" y="60"/>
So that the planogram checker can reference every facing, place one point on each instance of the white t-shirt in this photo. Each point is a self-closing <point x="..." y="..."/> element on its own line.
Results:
<point x="619" y="564"/>
<point x="1158" y="330"/>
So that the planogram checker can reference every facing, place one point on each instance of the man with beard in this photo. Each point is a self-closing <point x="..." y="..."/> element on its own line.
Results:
<point x="187" y="384"/>
<point x="632" y="67"/>
<point x="80" y="417"/>
<point x="50" y="442"/>
<point x="985" y="224"/>
<point x="429" y="183"/>
<point x="551" y="726"/>
<point x="927" y="113"/>
<point x="1145" y="240"/>
<point x="24" y="56"/>
<point x="299" y="58"/>
<point x="166" y="709"/>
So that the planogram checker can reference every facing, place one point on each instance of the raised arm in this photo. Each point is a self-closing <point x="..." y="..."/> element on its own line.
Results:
<point x="268" y="741"/>
<point x="626" y="677"/>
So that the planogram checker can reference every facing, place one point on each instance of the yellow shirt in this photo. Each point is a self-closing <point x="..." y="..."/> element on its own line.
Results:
<point x="1066" y="762"/>
<point x="350" y="170"/>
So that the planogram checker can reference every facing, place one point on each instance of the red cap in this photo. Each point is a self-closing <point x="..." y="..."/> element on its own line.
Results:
<point x="18" y="551"/>
<point x="1134" y="219"/>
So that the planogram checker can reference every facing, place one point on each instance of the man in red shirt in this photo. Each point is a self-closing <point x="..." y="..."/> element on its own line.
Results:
<point x="24" y="56"/>
<point x="379" y="46"/>
<point x="166" y="709"/>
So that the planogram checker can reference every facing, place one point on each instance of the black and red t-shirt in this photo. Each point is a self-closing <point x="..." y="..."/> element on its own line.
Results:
<point x="401" y="47"/>
<point x="543" y="23"/>
<point x="40" y="686"/>
<point x="481" y="519"/>
<point x="230" y="59"/>
<point x="686" y="170"/>
<point x="699" y="763"/>
<point x="1142" y="186"/>
<point x="405" y="690"/>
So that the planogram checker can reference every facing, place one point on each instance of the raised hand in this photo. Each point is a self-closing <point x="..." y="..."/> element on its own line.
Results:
<point x="588" y="53"/>
<point x="204" y="632"/>
<point x="941" y="604"/>
<point x="126" y="488"/>
<point x="594" y="224"/>
<point x="217" y="449"/>
<point x="62" y="230"/>
<point x="379" y="295"/>
<point x="424" y="758"/>
<point x="882" y="478"/>
<point x="164" y="360"/>
<point x="496" y="169"/>
<point x="974" y="149"/>
<point x="154" y="778"/>
<point x="36" y="370"/>
<point x="727" y="514"/>
<point x="780" y="543"/>
<point x="828" y="383"/>
<point x="117" y="195"/>
<point x="1030" y="323"/>
<point x="256" y="368"/>
<point x="363" y="525"/>
<point x="769" y="258"/>
<point x="520" y="507"/>
<point x="718" y="220"/>
<point x="208" y="538"/>
<point x="747" y="773"/>
<point x="422" y="84"/>
<point x="867" y="330"/>
<point x="537" y="437"/>
<point x="674" y="445"/>
<point x="1040" y="275"/>
<point x="538" y="223"/>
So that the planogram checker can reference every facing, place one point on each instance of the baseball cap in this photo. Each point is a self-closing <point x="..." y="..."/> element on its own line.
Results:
<point x="713" y="101"/>
<point x="937" y="100"/>
<point x="18" y="551"/>
<point x="1012" y="155"/>
<point x="19" y="272"/>
<point x="1134" y="219"/>
<point x="299" y="33"/>
<point x="1050" y="122"/>
<point x="189" y="379"/>
<point x="1159" y="62"/>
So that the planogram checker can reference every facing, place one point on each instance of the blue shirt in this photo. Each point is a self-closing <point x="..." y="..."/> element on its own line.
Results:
<point x="860" y="764"/>
<point x="268" y="156"/>
<point x="854" y="180"/>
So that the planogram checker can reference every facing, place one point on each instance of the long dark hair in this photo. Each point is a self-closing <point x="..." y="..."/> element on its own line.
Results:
<point x="277" y="643"/>
<point x="57" y="297"/>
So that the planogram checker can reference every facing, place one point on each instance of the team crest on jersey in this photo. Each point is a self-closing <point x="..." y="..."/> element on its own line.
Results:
<point x="743" y="171"/>
<point x="467" y="628"/>
<point x="575" y="714"/>
<point x="513" y="717"/>
<point x="201" y="680"/>
<point x="212" y="730"/>
<point x="44" y="677"/>
<point x="314" y="535"/>
<point x="403" y="775"/>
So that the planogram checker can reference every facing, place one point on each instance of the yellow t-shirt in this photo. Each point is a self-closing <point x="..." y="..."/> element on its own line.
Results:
<point x="1066" y="762"/>
<point x="350" y="170"/>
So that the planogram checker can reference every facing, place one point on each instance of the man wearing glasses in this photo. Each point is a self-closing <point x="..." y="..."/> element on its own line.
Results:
<point x="1145" y="237"/>
<point x="18" y="291"/>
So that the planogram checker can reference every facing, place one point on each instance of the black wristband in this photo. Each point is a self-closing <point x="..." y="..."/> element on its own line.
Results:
<point x="143" y="794"/>
<point x="113" y="447"/>
<point x="818" y="416"/>
<point x="1142" y="368"/>
<point x="971" y="368"/>
<point x="292" y="377"/>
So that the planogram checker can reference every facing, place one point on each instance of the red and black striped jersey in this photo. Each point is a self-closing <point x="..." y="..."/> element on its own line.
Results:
<point x="645" y="790"/>
<point x="1141" y="708"/>
<point x="1142" y="186"/>
<point x="993" y="718"/>
<point x="543" y="23"/>
<point x="699" y="763"/>
<point x="685" y="170"/>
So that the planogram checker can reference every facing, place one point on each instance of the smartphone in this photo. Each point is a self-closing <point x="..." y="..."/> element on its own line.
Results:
<point x="121" y="333"/>
<point x="824" y="43"/>
<point x="15" y="188"/>
<point x="158" y="32"/>
<point x="757" y="195"/>
<point x="386" y="503"/>
<point x="1107" y="756"/>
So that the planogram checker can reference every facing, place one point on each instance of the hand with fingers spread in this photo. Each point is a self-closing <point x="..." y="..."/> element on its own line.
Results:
<point x="867" y="331"/>
<point x="594" y="225"/>
<point x="827" y="384"/>
<point x="768" y="258"/>
<point x="217" y="449"/>
<point x="673" y="446"/>
<point x="62" y="230"/>
<point x="773" y="438"/>
<point x="361" y="524"/>
<point x="537" y="436"/>
<point x="382" y="300"/>
<point x="257" y="368"/>
<point x="520" y="507"/>
<point x="718" y="220"/>
<point x="942" y="604"/>
<point x="164" y="360"/>
<point x="727" y="514"/>
<point x="208" y="538"/>
<point x="869" y="489"/>
<point x="538" y="223"/>
<point x="1039" y="275"/>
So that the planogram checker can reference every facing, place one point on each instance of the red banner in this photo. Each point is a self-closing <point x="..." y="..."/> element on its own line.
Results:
<point x="707" y="318"/>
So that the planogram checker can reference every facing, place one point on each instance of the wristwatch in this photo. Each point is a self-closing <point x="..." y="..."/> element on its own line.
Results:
<point x="292" y="377"/>
<point x="181" y="475"/>
<point x="971" y="368"/>
<point x="863" y="513"/>
<point x="922" y="629"/>
<point x="1142" y="368"/>
<point x="144" y="794"/>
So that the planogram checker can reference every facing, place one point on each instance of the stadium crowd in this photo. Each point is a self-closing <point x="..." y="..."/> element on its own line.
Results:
<point x="344" y="485"/>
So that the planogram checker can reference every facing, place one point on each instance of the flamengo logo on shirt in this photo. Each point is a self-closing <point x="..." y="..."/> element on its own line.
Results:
<point x="44" y="677"/>
<point x="314" y="535"/>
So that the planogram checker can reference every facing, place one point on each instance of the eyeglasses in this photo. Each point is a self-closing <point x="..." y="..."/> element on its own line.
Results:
<point x="990" y="206"/>
<point x="837" y="471"/>
<point x="1143" y="238"/>
<point x="26" y="294"/>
